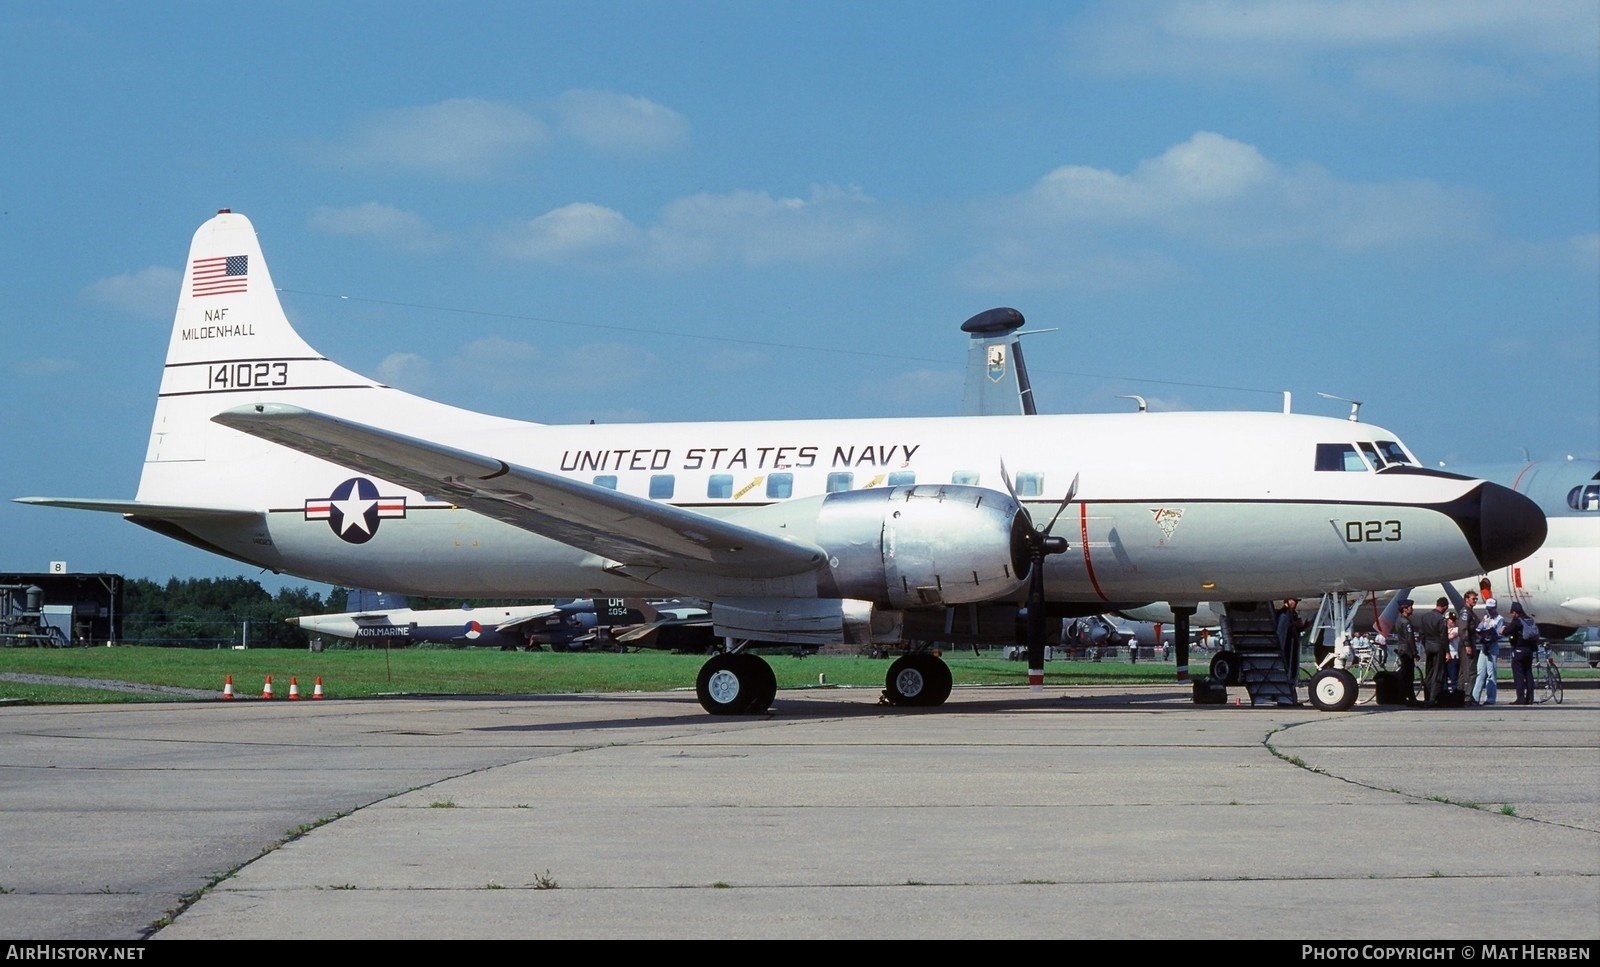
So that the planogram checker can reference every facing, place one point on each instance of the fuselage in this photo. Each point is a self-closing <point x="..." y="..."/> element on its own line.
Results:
<point x="1267" y="524"/>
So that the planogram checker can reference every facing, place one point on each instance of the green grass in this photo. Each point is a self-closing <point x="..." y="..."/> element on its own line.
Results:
<point x="350" y="673"/>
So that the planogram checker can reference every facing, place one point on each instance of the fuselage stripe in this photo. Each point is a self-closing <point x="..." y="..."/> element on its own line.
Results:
<point x="1083" y="539"/>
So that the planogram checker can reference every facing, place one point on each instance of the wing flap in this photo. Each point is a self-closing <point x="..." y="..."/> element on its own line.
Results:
<point x="631" y="531"/>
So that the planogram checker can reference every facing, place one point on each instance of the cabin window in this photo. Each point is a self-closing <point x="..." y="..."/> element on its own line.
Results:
<point x="661" y="486"/>
<point x="1585" y="497"/>
<point x="902" y="478"/>
<point x="606" y="480"/>
<point x="966" y="477"/>
<point x="1030" y="484"/>
<point x="780" y="486"/>
<point x="840" y="481"/>
<point x="720" y="486"/>
<point x="1339" y="458"/>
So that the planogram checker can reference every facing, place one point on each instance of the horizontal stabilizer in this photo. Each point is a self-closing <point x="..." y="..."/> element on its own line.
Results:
<point x="143" y="509"/>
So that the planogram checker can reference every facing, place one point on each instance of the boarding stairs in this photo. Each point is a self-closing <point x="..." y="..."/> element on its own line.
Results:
<point x="1252" y="634"/>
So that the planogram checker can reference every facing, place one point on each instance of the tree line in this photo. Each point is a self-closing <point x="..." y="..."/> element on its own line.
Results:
<point x="217" y="612"/>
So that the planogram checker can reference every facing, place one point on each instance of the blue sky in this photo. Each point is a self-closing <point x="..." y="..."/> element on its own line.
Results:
<point x="643" y="211"/>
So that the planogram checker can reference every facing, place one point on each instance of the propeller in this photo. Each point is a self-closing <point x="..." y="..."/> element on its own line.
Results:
<point x="1040" y="545"/>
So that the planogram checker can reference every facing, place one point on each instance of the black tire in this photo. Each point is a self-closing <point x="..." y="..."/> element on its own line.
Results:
<point x="918" y="679"/>
<point x="728" y="684"/>
<point x="1334" y="690"/>
<point x="1550" y="686"/>
<point x="765" y="682"/>
<point x="1225" y="668"/>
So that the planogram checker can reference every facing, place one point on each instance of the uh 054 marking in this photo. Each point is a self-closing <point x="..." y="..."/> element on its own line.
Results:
<point x="872" y="532"/>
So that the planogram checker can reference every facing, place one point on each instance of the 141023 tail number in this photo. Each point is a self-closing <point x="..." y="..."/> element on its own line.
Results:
<point x="1367" y="531"/>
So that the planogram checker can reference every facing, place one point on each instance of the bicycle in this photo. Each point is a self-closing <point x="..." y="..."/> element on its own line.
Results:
<point x="1546" y="677"/>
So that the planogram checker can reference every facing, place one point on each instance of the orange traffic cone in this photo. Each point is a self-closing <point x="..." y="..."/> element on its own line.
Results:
<point x="294" y="688"/>
<point x="266" y="690"/>
<point x="227" y="689"/>
<point x="317" y="691"/>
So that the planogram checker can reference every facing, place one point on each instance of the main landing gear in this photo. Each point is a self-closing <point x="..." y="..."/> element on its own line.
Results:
<point x="917" y="679"/>
<point x="736" y="683"/>
<point x="742" y="683"/>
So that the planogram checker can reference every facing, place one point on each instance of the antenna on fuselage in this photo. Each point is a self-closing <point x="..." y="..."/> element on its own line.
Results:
<point x="1355" y="405"/>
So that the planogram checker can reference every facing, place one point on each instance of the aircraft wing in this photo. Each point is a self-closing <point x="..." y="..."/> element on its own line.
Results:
<point x="645" y="630"/>
<point x="630" y="530"/>
<point x="521" y="620"/>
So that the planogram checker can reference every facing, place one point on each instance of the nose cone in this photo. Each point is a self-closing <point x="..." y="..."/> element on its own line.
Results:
<point x="1502" y="525"/>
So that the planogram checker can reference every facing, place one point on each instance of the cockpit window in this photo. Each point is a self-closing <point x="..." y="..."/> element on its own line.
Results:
<point x="1392" y="452"/>
<point x="1585" y="497"/>
<point x="1340" y="458"/>
<point x="1372" y="455"/>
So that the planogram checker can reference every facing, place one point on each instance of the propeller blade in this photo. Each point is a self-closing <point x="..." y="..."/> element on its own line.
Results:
<point x="1071" y="492"/>
<point x="1005" y="478"/>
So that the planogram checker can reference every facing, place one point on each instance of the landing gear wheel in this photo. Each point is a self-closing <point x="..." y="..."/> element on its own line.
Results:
<point x="917" y="679"/>
<point x="734" y="684"/>
<point x="1334" y="690"/>
<point x="766" y="684"/>
<point x="1225" y="668"/>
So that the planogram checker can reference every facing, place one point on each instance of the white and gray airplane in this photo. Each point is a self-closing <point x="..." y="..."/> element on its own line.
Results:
<point x="485" y="627"/>
<point x="264" y="450"/>
<point x="579" y="624"/>
<point x="1558" y="584"/>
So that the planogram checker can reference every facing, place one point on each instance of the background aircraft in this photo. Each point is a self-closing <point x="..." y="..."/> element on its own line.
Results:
<point x="394" y="624"/>
<point x="579" y="624"/>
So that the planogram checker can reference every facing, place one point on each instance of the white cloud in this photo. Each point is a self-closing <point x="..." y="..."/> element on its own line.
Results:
<point x="485" y="373"/>
<point x="1090" y="228"/>
<point x="461" y="138"/>
<point x="1418" y="49"/>
<point x="394" y="227"/>
<point x="618" y="122"/>
<point x="43" y="368"/>
<point x="580" y="231"/>
<point x="1226" y="193"/>
<point x="408" y="371"/>
<point x="474" y="139"/>
<point x="150" y="293"/>
<point x="833" y="226"/>
<point x="1575" y="253"/>
<point x="918" y="391"/>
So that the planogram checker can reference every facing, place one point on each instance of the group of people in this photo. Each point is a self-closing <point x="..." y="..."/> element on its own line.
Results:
<point x="1460" y="649"/>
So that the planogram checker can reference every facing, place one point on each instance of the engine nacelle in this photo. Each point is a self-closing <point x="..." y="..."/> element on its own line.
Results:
<point x="924" y="545"/>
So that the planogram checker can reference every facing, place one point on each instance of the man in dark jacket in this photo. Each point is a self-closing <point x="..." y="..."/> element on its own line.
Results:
<point x="1433" y="628"/>
<point x="1467" y="644"/>
<point x="1403" y="639"/>
<point x="1289" y="628"/>
<point x="1524" y="642"/>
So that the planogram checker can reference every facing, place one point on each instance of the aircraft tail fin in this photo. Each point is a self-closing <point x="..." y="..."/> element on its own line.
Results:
<point x="364" y="599"/>
<point x="230" y="342"/>
<point x="1391" y="612"/>
<point x="997" y="381"/>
